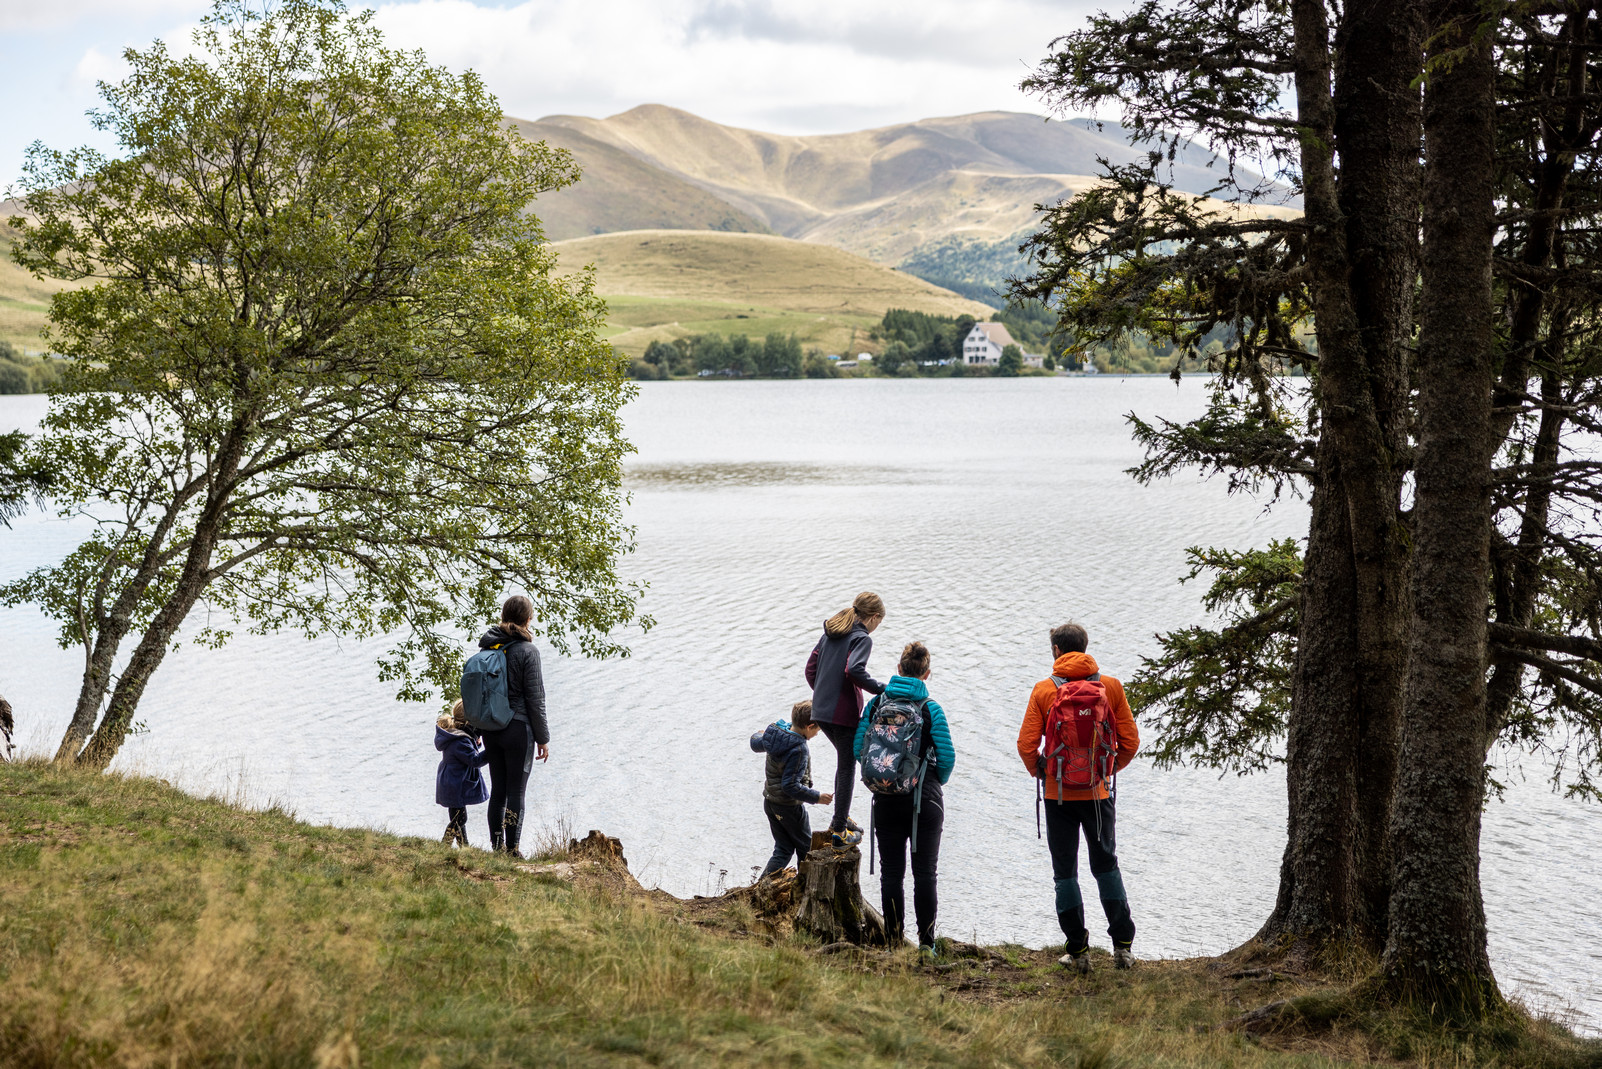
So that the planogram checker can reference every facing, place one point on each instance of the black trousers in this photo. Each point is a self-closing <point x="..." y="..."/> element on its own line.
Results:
<point x="892" y="831"/>
<point x="792" y="833"/>
<point x="511" y="757"/>
<point x="1099" y="821"/>
<point x="843" y="738"/>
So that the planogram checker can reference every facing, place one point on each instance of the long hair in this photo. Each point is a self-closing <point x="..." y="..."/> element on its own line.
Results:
<point x="864" y="605"/>
<point x="516" y="614"/>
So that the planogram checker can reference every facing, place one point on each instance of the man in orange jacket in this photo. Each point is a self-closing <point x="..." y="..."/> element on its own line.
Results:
<point x="1068" y="809"/>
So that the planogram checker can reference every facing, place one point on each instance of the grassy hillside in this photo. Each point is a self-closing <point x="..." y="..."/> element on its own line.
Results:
<point x="882" y="193"/>
<point x="143" y="927"/>
<point x="24" y="300"/>
<point x="622" y="192"/>
<point x="662" y="284"/>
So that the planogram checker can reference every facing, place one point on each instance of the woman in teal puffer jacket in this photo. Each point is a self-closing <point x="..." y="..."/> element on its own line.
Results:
<point x="896" y="815"/>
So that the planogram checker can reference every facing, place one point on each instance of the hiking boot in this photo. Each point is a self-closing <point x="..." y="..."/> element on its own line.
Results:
<point x="927" y="954"/>
<point x="1123" y="958"/>
<point x="1079" y="963"/>
<point x="848" y="836"/>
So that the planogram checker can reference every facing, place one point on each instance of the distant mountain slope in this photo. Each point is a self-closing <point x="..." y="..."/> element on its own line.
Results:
<point x="620" y="191"/>
<point x="666" y="283"/>
<point x="896" y="194"/>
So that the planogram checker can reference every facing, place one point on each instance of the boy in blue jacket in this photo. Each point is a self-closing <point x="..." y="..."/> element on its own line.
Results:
<point x="788" y="785"/>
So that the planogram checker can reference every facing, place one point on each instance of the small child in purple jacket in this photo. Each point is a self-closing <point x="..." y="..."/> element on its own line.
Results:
<point x="458" y="783"/>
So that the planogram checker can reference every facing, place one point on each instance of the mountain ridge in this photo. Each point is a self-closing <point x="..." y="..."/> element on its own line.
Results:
<point x="885" y="193"/>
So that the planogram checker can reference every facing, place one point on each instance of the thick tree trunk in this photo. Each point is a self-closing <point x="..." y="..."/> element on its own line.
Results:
<point x="1436" y="952"/>
<point x="1378" y="121"/>
<point x="831" y="897"/>
<point x="1352" y="653"/>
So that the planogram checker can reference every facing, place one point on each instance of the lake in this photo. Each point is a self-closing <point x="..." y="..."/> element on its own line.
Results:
<point x="984" y="512"/>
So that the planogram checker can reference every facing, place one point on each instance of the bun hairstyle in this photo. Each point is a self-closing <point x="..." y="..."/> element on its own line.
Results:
<point x="516" y="614"/>
<point x="914" y="660"/>
<point x="864" y="605"/>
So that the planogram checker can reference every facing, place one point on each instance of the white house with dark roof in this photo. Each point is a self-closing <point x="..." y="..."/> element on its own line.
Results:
<point x="984" y="343"/>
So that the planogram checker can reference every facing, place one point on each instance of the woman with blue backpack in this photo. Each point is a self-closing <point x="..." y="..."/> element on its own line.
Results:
<point x="512" y="748"/>
<point x="905" y="751"/>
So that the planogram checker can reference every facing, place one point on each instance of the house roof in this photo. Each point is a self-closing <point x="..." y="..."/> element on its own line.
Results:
<point x="997" y="333"/>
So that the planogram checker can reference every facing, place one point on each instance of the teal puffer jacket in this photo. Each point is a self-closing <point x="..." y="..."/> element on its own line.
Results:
<point x="945" y="756"/>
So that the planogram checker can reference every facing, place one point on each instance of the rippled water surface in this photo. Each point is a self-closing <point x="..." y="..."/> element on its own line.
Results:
<point x="983" y="513"/>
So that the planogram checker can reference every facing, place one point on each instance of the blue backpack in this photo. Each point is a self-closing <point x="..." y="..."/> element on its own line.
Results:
<point x="484" y="699"/>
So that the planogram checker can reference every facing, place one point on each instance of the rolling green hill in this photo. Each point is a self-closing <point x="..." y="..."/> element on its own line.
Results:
<point x="661" y="284"/>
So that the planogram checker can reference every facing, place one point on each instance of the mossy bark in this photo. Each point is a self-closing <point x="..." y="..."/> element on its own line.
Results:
<point x="831" y="905"/>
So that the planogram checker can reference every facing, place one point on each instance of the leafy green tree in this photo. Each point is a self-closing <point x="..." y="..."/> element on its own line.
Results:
<point x="1011" y="361"/>
<point x="895" y="356"/>
<point x="327" y="378"/>
<point x="663" y="355"/>
<point x="816" y="366"/>
<point x="781" y="356"/>
<point x="1049" y="363"/>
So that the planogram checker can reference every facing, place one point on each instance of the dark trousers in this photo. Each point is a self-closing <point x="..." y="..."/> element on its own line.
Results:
<point x="843" y="738"/>
<point x="792" y="833"/>
<point x="892" y="831"/>
<point x="511" y="757"/>
<point x="456" y="830"/>
<point x="1097" y="818"/>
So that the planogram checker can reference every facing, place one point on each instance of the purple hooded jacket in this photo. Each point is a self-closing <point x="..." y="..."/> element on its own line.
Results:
<point x="837" y="672"/>
<point x="458" y="782"/>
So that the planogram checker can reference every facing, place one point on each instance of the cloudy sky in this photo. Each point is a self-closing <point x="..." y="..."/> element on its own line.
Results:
<point x="793" y="66"/>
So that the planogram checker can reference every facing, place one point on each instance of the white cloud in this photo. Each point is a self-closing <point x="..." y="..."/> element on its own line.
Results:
<point x="827" y="65"/>
<point x="96" y="66"/>
<point x="24" y="15"/>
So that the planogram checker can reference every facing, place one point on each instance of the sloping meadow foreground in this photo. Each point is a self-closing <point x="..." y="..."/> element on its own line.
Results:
<point x="145" y="927"/>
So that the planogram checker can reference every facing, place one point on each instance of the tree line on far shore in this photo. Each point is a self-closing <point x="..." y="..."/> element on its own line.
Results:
<point x="911" y="344"/>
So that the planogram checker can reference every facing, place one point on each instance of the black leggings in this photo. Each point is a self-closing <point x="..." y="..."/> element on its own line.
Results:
<point x="892" y="830"/>
<point x="843" y="737"/>
<point x="511" y="757"/>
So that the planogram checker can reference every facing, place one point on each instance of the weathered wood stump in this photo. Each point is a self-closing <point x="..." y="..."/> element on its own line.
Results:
<point x="831" y="905"/>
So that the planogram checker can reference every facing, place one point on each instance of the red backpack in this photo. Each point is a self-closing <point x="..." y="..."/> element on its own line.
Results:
<point x="1081" y="744"/>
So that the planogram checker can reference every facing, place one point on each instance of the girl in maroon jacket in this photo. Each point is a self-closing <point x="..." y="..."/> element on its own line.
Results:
<point x="837" y="672"/>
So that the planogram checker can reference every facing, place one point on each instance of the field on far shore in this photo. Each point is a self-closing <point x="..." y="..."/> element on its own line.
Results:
<point x="663" y="284"/>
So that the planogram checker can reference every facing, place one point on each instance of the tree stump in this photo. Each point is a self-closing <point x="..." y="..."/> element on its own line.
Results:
<point x="831" y="897"/>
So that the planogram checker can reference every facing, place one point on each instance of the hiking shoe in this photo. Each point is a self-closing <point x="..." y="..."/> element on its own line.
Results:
<point x="1123" y="958"/>
<point x="1079" y="963"/>
<point x="926" y="953"/>
<point x="850" y="835"/>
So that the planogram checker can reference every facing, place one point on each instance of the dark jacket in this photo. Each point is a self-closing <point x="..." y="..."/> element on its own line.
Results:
<point x="458" y="782"/>
<point x="837" y="672"/>
<point x="525" y="687"/>
<point x="789" y="770"/>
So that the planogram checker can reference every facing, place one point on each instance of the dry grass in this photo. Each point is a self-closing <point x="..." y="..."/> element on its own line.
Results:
<point x="144" y="928"/>
<point x="661" y="284"/>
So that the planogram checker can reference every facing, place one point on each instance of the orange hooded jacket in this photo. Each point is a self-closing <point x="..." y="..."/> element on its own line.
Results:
<point x="1032" y="734"/>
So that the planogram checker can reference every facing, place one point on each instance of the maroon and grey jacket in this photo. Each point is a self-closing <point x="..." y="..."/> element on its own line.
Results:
<point x="837" y="671"/>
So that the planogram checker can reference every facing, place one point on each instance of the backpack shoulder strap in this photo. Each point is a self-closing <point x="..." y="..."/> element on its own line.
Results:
<point x="1058" y="681"/>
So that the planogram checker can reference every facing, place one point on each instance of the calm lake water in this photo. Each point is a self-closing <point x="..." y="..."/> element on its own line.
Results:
<point x="984" y="513"/>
